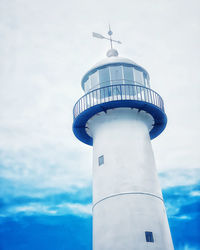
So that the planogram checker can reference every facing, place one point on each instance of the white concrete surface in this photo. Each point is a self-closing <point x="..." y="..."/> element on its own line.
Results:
<point x="127" y="199"/>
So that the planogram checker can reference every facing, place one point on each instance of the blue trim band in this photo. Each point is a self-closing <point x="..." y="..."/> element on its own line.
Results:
<point x="79" y="124"/>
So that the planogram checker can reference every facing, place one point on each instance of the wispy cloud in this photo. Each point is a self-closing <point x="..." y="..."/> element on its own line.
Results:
<point x="179" y="177"/>
<point x="48" y="201"/>
<point x="38" y="209"/>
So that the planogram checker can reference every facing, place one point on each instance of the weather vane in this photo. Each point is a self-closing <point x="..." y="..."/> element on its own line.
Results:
<point x="97" y="35"/>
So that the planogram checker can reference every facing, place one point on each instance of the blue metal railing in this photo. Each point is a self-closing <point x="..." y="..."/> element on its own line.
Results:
<point x="118" y="92"/>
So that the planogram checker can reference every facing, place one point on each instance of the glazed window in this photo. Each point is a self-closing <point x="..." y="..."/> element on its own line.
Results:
<point x="104" y="77"/>
<point x="101" y="160"/>
<point x="94" y="78"/>
<point x="87" y="85"/>
<point x="149" y="236"/>
<point x="116" y="74"/>
<point x="128" y="75"/>
<point x="146" y="82"/>
<point x="138" y="76"/>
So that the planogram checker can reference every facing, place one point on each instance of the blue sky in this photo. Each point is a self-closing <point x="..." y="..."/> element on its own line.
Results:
<point x="45" y="172"/>
<point x="63" y="220"/>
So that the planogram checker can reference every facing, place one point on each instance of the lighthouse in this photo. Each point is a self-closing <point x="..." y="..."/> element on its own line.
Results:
<point x="119" y="115"/>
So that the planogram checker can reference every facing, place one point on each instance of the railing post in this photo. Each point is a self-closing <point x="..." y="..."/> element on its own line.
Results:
<point x="90" y="99"/>
<point x="92" y="104"/>
<point x="151" y="96"/>
<point x="154" y="98"/>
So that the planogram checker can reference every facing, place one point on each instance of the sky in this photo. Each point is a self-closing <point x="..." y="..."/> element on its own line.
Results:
<point x="45" y="172"/>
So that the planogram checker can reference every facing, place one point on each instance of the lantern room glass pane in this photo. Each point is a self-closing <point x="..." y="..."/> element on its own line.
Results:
<point x="128" y="75"/>
<point x="116" y="74"/>
<point x="104" y="77"/>
<point x="87" y="85"/>
<point x="94" y="78"/>
<point x="146" y="82"/>
<point x="138" y="76"/>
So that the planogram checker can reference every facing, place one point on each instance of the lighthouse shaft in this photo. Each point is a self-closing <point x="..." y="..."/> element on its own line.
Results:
<point x="119" y="115"/>
<point x="127" y="199"/>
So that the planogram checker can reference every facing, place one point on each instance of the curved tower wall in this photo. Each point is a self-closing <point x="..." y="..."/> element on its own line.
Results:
<point x="127" y="199"/>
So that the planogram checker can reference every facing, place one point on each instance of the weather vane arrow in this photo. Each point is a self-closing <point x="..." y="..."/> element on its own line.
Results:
<point x="97" y="35"/>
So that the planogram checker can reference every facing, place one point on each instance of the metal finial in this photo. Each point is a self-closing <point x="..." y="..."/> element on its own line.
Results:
<point x="110" y="34"/>
<point x="97" y="35"/>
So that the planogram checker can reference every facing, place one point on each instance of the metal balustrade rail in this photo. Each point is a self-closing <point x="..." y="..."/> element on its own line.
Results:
<point x="118" y="92"/>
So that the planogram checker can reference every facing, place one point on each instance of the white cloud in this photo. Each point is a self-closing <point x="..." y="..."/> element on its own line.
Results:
<point x="44" y="209"/>
<point x="188" y="247"/>
<point x="179" y="177"/>
<point x="78" y="209"/>
<point x="183" y="217"/>
<point x="195" y="193"/>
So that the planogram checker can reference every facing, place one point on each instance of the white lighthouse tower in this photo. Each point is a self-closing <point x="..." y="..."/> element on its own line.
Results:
<point x="119" y="115"/>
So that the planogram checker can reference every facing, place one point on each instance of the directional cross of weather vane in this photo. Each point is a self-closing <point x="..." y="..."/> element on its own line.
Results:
<point x="97" y="35"/>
